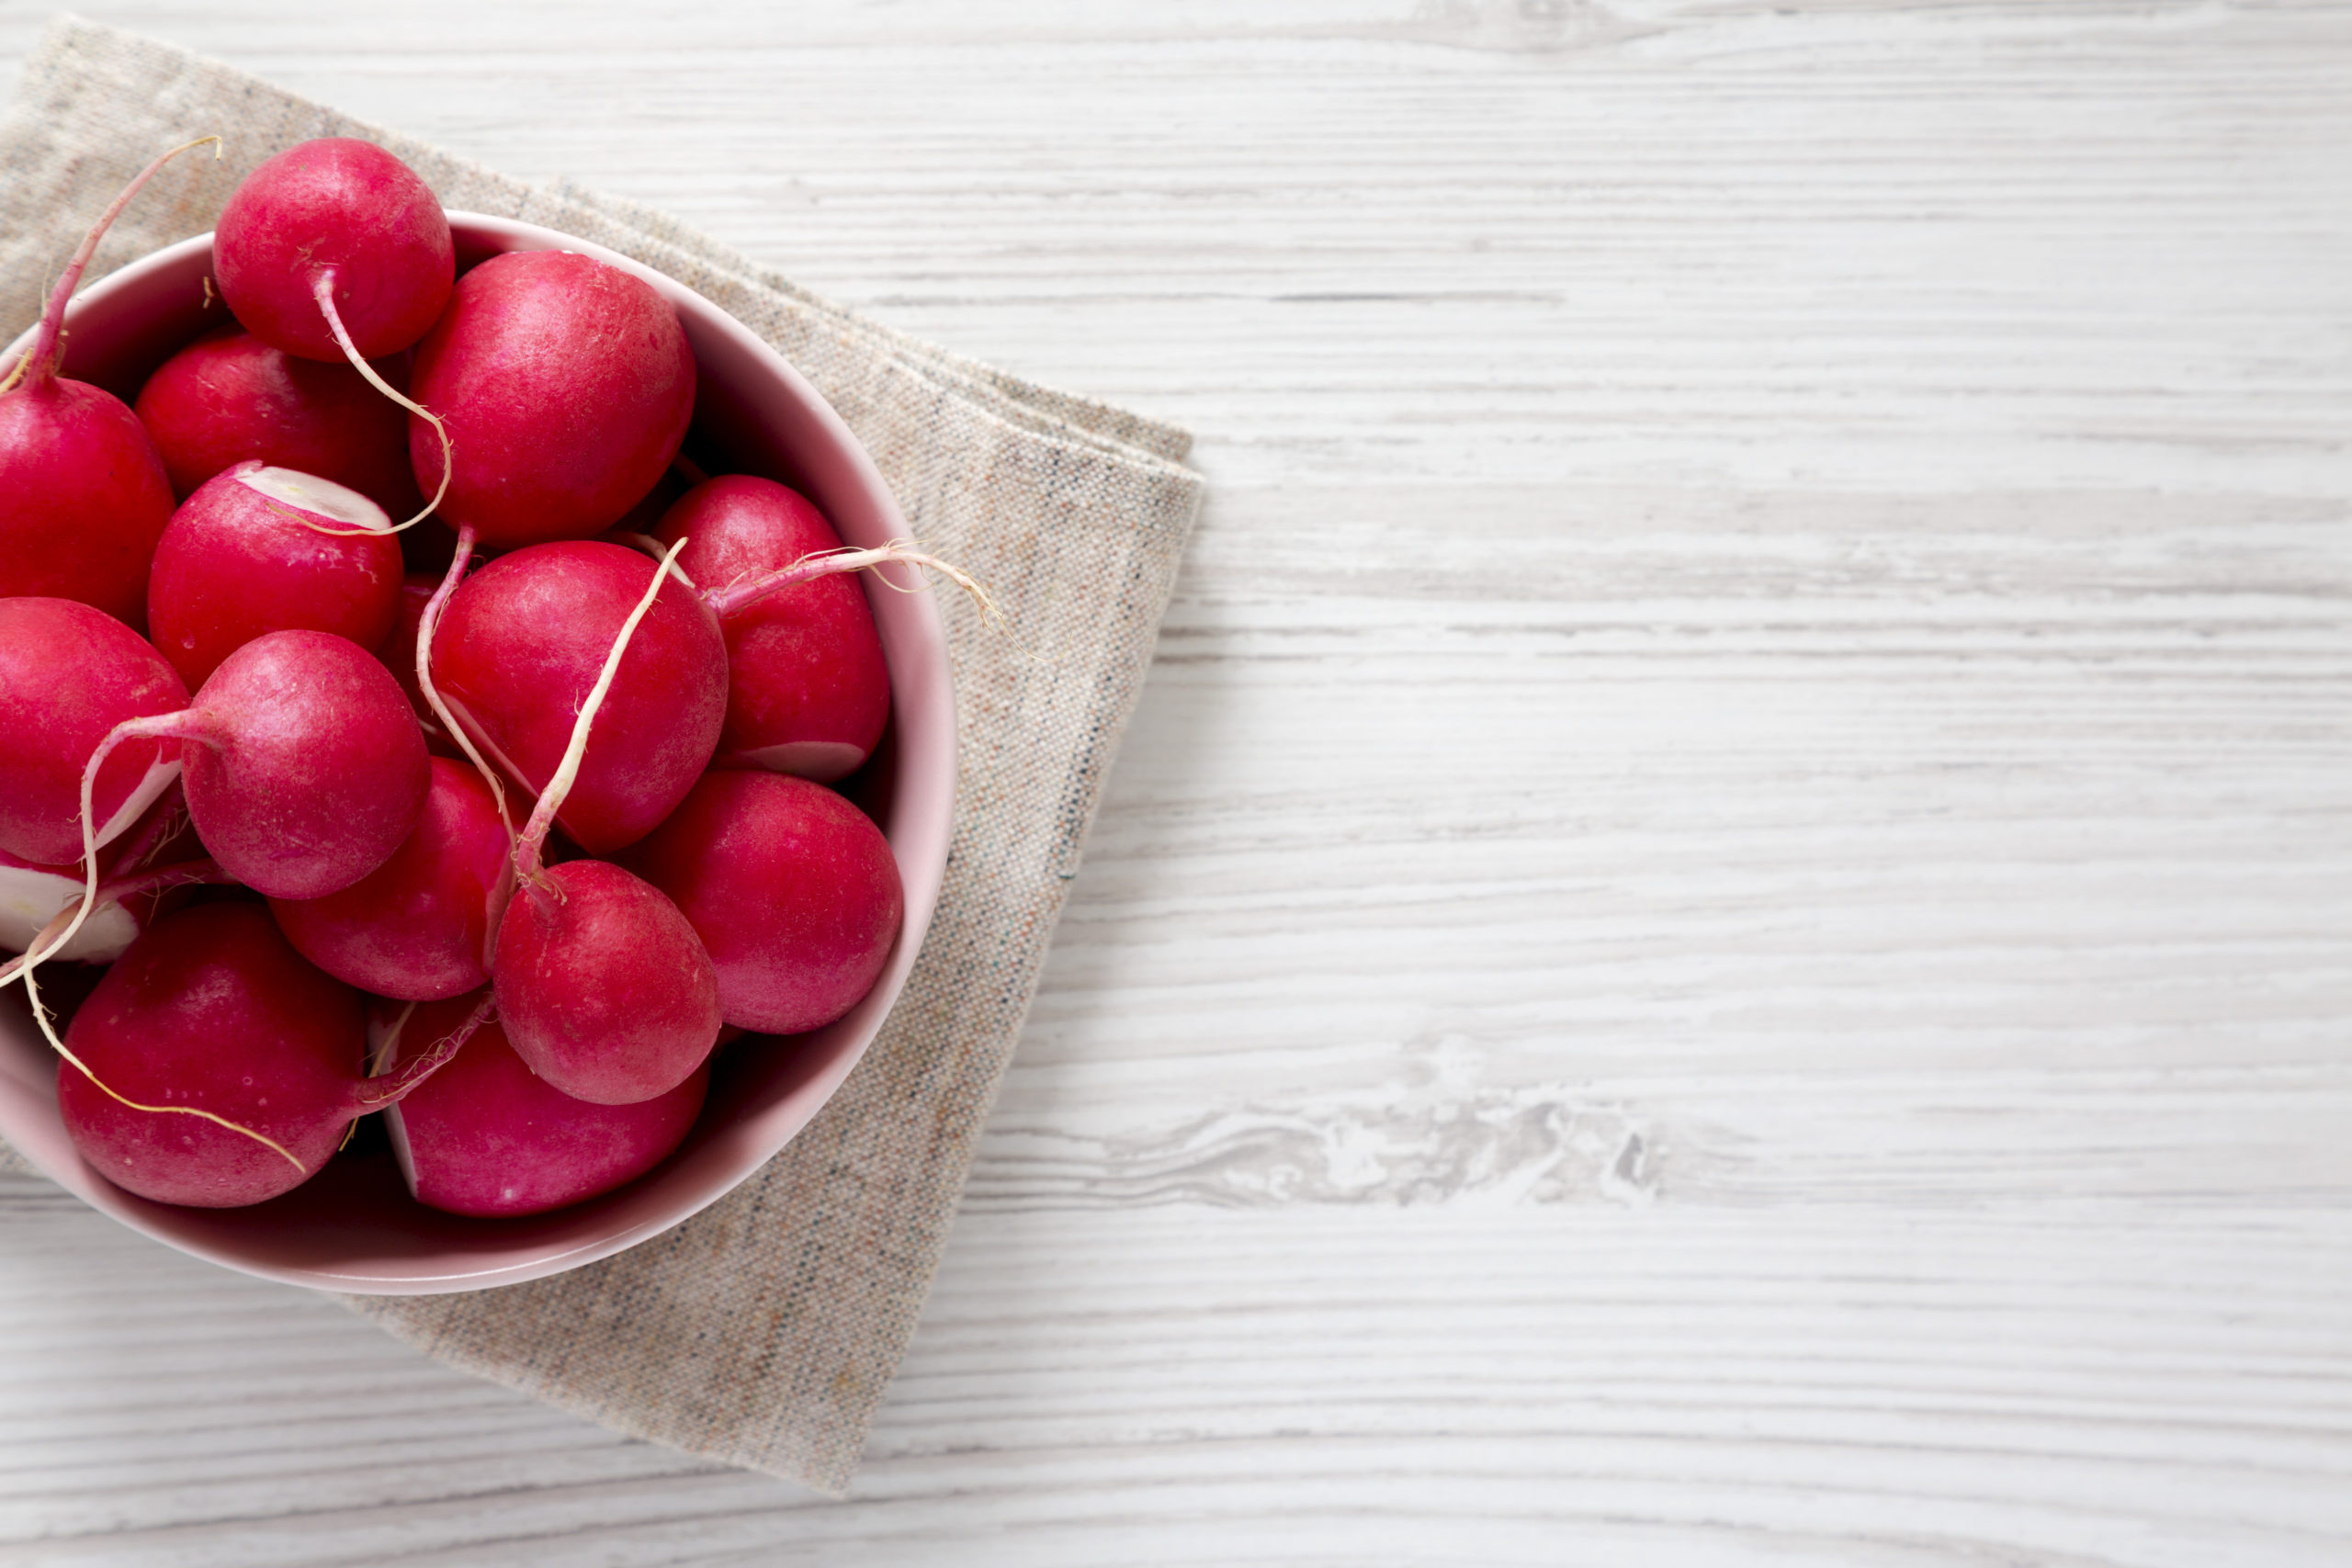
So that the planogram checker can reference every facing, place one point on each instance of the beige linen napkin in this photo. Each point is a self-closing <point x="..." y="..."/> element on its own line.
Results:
<point x="762" y="1332"/>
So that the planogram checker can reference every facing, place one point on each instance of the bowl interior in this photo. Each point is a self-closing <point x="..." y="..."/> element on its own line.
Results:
<point x="352" y="1227"/>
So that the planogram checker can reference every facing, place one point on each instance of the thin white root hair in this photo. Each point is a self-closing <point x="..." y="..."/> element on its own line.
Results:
<point x="527" y="861"/>
<point x="746" y="591"/>
<point x="47" y="1028"/>
<point x="322" y="290"/>
<point x="426" y="626"/>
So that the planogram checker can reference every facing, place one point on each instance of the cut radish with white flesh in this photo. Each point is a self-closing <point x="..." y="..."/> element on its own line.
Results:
<point x="32" y="896"/>
<point x="258" y="550"/>
<point x="323" y="498"/>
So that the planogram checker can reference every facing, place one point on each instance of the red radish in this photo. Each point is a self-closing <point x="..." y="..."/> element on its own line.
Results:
<point x="260" y="549"/>
<point x="334" y="247"/>
<point x="229" y="396"/>
<point x="303" y="767"/>
<point x="418" y="927"/>
<point x="604" y="987"/>
<point x="83" y="496"/>
<point x="794" y="892"/>
<point x="808" y="691"/>
<point x="519" y="648"/>
<point x="347" y="214"/>
<point x="566" y="383"/>
<point x="213" y="1066"/>
<point x="487" y="1136"/>
<point x="69" y="674"/>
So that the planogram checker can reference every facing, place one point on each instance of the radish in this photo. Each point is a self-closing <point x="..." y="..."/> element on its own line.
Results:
<point x="83" y="496"/>
<point x="604" y="987"/>
<point x="33" y="896"/>
<point x="808" y="690"/>
<point x="214" y="1068"/>
<point x="417" y="927"/>
<point x="69" y="675"/>
<point x="520" y="645"/>
<point x="567" y="384"/>
<point x="793" y="890"/>
<point x="261" y="549"/>
<point x="303" y="766"/>
<point x="334" y="248"/>
<point x="487" y="1136"/>
<point x="229" y="396"/>
<point x="330" y="240"/>
<point x="140" y="870"/>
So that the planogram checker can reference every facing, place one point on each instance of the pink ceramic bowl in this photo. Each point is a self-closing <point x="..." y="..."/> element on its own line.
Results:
<point x="352" y="1227"/>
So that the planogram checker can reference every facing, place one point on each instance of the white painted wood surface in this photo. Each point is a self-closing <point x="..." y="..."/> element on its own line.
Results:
<point x="1725" y="935"/>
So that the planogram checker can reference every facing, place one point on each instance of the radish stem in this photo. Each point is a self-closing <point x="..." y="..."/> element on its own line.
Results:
<point x="42" y="358"/>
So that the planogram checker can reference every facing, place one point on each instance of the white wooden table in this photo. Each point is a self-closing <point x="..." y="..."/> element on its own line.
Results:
<point x="1725" y="933"/>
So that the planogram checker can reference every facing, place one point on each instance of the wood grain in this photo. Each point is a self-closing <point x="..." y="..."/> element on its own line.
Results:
<point x="1725" y="934"/>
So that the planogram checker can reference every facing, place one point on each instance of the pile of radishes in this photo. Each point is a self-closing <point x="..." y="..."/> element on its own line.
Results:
<point x="501" y="853"/>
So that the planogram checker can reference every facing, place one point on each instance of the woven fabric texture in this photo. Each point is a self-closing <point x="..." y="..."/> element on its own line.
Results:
<point x="762" y="1332"/>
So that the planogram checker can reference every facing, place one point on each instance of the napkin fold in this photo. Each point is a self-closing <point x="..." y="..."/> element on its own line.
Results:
<point x="763" y="1331"/>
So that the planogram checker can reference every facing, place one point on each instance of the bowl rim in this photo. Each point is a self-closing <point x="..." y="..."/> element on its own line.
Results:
<point x="918" y="833"/>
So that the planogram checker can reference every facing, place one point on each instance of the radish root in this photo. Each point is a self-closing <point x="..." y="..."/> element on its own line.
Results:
<point x="529" y="864"/>
<point x="322" y="290"/>
<point x="745" y="592"/>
